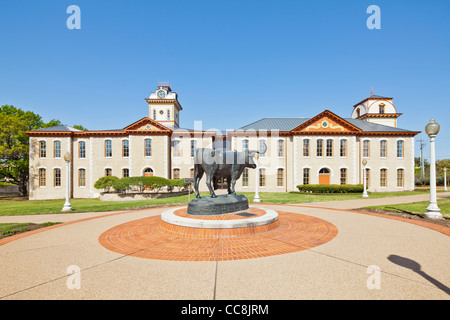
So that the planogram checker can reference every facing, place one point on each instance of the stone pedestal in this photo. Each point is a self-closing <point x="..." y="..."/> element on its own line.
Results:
<point x="222" y="204"/>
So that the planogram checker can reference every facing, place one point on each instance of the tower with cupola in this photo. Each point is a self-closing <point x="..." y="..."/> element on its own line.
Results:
<point x="377" y="109"/>
<point x="164" y="107"/>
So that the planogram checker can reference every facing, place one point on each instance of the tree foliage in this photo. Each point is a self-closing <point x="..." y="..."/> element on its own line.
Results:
<point x="14" y="143"/>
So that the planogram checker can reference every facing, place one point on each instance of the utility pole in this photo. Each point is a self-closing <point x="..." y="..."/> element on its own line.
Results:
<point x="422" y="160"/>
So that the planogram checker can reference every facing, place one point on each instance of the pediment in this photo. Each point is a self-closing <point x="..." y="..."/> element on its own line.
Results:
<point x="147" y="125"/>
<point x="326" y="122"/>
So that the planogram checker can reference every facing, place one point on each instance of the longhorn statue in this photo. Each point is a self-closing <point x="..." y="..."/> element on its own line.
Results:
<point x="222" y="163"/>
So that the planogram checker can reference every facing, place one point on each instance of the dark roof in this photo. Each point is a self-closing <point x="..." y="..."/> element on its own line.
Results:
<point x="287" y="124"/>
<point x="58" y="128"/>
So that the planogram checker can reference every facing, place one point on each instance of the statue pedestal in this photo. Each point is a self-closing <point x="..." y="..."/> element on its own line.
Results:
<point x="208" y="206"/>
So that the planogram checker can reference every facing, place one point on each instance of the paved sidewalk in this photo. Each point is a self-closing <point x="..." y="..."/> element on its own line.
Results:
<point x="370" y="258"/>
<point x="366" y="202"/>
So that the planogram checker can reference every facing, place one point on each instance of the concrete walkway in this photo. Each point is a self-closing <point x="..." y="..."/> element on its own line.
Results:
<point x="370" y="258"/>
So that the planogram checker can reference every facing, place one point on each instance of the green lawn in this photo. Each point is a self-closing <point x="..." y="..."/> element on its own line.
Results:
<point x="18" y="206"/>
<point x="9" y="229"/>
<point x="416" y="207"/>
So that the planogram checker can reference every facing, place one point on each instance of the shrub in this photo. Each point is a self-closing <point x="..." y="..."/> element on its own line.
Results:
<point x="105" y="183"/>
<point x="332" y="188"/>
<point x="177" y="183"/>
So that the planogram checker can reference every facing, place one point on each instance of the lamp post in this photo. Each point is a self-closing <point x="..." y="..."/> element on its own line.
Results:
<point x="67" y="205"/>
<point x="256" y="199"/>
<point x="445" y="178"/>
<point x="433" y="211"/>
<point x="365" y="195"/>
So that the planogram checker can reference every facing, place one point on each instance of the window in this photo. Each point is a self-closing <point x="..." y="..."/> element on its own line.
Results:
<point x="125" y="148"/>
<point x="108" y="148"/>
<point x="329" y="148"/>
<point x="280" y="148"/>
<point x="381" y="106"/>
<point x="306" y="148"/>
<point x="176" y="173"/>
<point x="193" y="147"/>
<point x="125" y="173"/>
<point x="154" y="114"/>
<point x="57" y="149"/>
<point x="168" y="114"/>
<point x="262" y="177"/>
<point x="244" y="145"/>
<point x="176" y="148"/>
<point x="148" y="172"/>
<point x="306" y="176"/>
<point x="343" y="148"/>
<point x="191" y="173"/>
<point x="108" y="172"/>
<point x="400" y="177"/>
<point x="82" y="150"/>
<point x="366" y="148"/>
<point x="400" y="149"/>
<point x="57" y="177"/>
<point x="42" y="174"/>
<point x="245" y="178"/>
<point x="42" y="149"/>
<point x="148" y="147"/>
<point x="358" y="113"/>
<point x="320" y="148"/>
<point x="383" y="177"/>
<point x="343" y="176"/>
<point x="280" y="177"/>
<point x="82" y="177"/>
<point x="262" y="146"/>
<point x="383" y="148"/>
<point x="367" y="178"/>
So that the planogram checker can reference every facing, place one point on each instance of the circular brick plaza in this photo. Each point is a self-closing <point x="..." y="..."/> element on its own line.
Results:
<point x="153" y="238"/>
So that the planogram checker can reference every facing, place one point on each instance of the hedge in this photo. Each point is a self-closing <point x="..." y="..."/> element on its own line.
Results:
<point x="331" y="188"/>
<point x="140" y="183"/>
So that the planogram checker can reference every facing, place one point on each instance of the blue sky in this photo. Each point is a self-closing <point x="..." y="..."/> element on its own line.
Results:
<point x="231" y="62"/>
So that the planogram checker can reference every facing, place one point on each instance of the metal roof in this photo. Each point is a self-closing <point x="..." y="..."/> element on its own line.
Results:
<point x="58" y="128"/>
<point x="287" y="124"/>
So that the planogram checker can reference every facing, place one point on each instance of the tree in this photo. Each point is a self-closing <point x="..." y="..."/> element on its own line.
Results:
<point x="14" y="143"/>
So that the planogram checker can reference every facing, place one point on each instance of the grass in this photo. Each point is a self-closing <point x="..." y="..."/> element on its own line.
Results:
<point x="20" y="206"/>
<point x="9" y="229"/>
<point x="416" y="207"/>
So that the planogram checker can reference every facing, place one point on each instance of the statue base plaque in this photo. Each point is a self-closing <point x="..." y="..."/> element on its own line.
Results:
<point x="208" y="206"/>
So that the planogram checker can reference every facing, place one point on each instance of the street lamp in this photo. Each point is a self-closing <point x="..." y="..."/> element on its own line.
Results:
<point x="256" y="199"/>
<point x="433" y="211"/>
<point x="445" y="178"/>
<point x="67" y="158"/>
<point x="365" y="195"/>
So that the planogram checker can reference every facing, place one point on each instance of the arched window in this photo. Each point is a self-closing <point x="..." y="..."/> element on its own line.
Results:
<point x="82" y="177"/>
<point x="154" y="114"/>
<point x="148" y="147"/>
<point x="319" y="148"/>
<point x="125" y="148"/>
<point x="57" y="177"/>
<point x="324" y="171"/>
<point x="82" y="150"/>
<point x="148" y="172"/>
<point x="176" y="173"/>
<point x="42" y="177"/>
<point x="280" y="177"/>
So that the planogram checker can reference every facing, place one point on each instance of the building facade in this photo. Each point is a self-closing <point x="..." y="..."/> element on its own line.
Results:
<point x="324" y="149"/>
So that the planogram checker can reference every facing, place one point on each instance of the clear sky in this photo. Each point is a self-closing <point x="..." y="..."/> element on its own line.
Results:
<point x="232" y="62"/>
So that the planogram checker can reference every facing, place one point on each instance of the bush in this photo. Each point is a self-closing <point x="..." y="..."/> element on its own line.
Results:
<point x="332" y="188"/>
<point x="177" y="183"/>
<point x="105" y="183"/>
